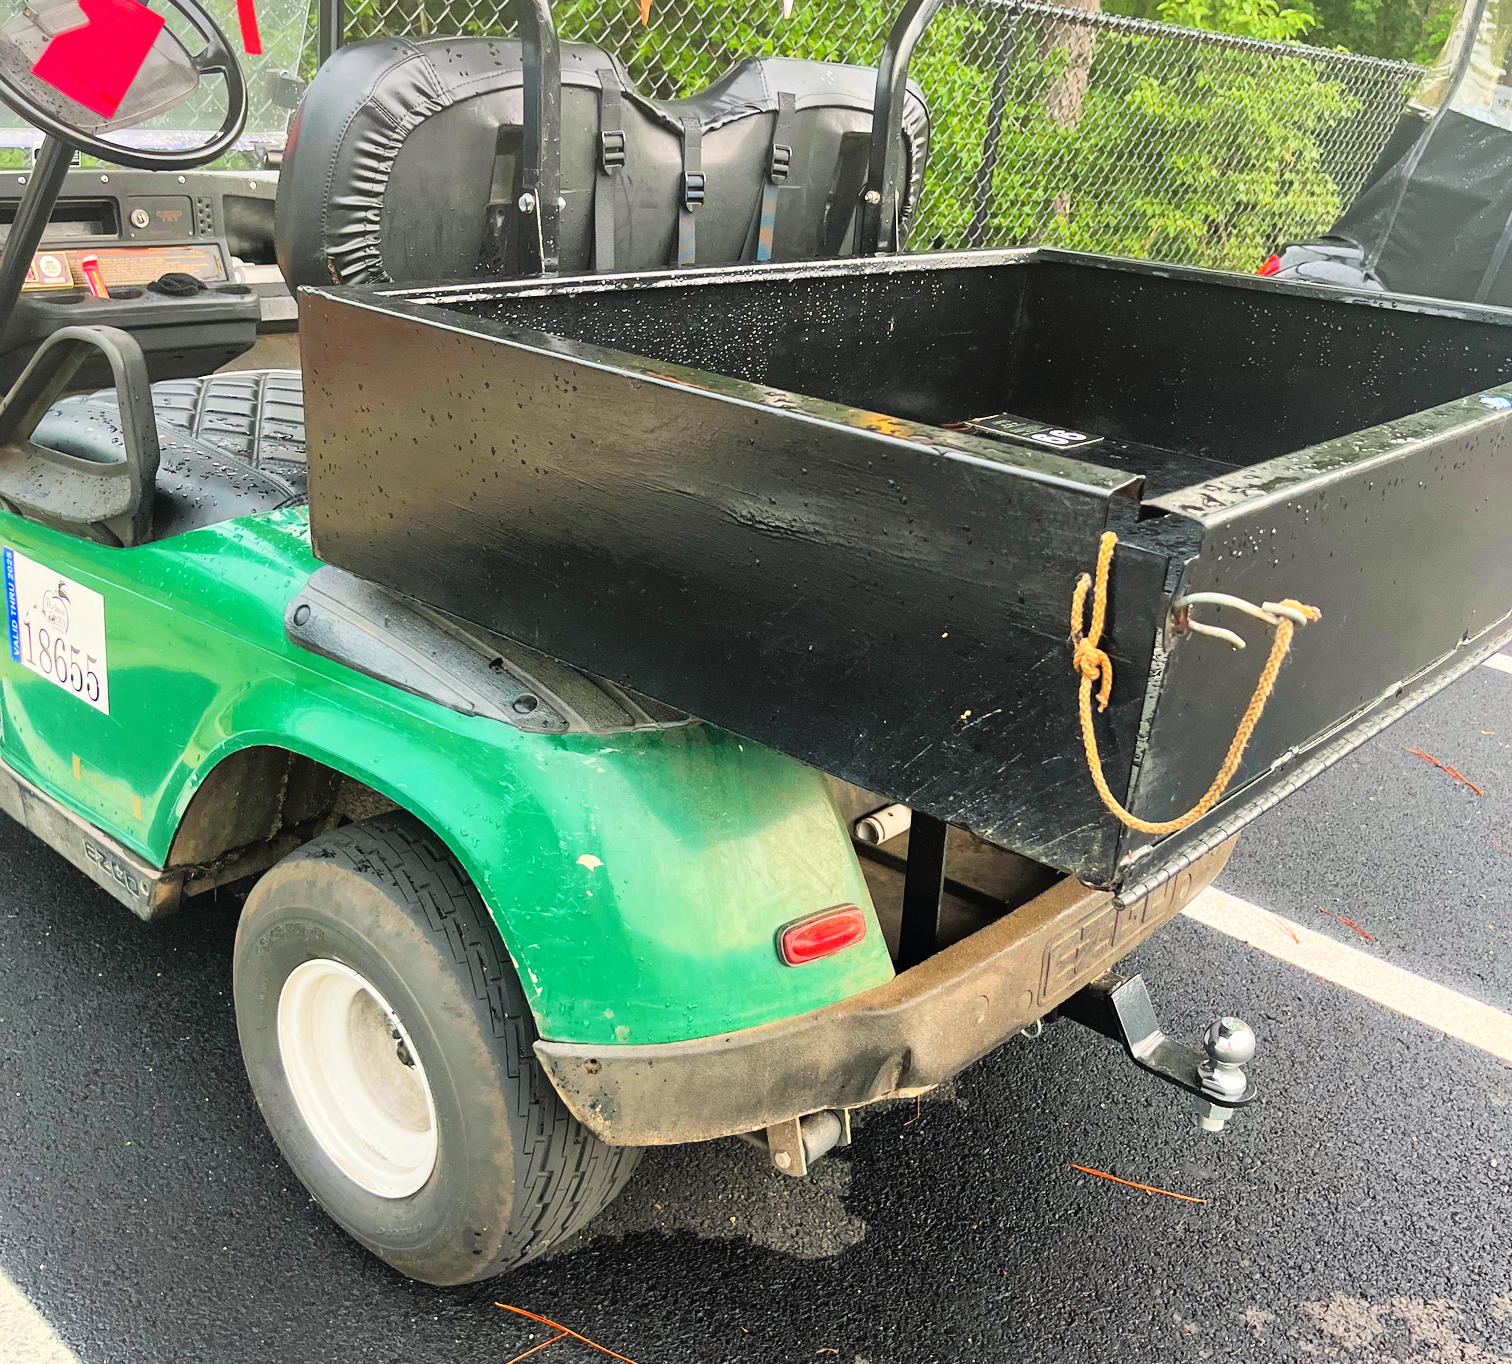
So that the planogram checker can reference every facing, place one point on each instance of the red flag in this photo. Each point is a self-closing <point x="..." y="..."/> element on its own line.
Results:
<point x="96" y="63"/>
<point x="246" y="12"/>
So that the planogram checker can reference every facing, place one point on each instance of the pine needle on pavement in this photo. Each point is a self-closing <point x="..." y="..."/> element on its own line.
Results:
<point x="565" y="1330"/>
<point x="1143" y="1188"/>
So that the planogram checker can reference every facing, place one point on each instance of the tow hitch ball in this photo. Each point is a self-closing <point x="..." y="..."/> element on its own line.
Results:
<point x="1213" y="1075"/>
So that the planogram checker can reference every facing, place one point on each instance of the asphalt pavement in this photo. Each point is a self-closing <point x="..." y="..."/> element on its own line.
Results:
<point x="1359" y="1212"/>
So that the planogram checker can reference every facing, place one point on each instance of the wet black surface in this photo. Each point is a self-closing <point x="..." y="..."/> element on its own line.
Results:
<point x="1359" y="1212"/>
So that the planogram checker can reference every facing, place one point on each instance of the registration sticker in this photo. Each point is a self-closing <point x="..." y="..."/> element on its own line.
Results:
<point x="57" y="629"/>
<point x="1004" y="426"/>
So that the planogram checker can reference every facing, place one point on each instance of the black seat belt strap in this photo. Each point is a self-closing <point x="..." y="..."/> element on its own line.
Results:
<point x="611" y="159"/>
<point x="779" y="165"/>
<point x="692" y="195"/>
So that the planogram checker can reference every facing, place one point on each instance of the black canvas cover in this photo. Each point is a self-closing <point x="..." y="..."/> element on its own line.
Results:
<point x="1435" y="214"/>
<point x="1437" y="221"/>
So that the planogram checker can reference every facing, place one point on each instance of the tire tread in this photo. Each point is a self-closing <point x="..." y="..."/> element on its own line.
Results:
<point x="567" y="1174"/>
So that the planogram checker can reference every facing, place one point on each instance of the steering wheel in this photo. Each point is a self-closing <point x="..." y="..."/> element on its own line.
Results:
<point x="167" y="76"/>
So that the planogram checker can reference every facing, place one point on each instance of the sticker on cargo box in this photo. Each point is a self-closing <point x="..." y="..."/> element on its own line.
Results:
<point x="1005" y="426"/>
<point x="57" y="629"/>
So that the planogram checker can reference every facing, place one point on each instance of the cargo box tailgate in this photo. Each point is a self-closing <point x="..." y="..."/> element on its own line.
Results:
<point x="1402" y="537"/>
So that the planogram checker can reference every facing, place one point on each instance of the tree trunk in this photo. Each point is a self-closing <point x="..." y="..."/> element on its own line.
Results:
<point x="1063" y="100"/>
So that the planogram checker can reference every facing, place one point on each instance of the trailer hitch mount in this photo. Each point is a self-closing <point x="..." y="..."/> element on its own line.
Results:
<point x="1213" y="1074"/>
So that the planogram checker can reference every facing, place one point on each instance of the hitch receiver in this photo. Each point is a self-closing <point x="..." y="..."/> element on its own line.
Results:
<point x="1213" y="1075"/>
<point x="796" y="1144"/>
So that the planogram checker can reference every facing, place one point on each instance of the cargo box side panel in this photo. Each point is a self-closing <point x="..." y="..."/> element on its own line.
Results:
<point x="1399" y="536"/>
<point x="1233" y="368"/>
<point x="929" y="346"/>
<point x="887" y="611"/>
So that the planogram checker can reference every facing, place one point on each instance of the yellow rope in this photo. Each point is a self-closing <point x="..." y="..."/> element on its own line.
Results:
<point x="1094" y="665"/>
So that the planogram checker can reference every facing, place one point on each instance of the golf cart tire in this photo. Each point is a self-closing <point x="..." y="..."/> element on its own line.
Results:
<point x="514" y="1172"/>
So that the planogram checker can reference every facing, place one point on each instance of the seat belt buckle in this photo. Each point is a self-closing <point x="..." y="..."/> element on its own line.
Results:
<point x="611" y="151"/>
<point x="692" y="190"/>
<point x="780" y="163"/>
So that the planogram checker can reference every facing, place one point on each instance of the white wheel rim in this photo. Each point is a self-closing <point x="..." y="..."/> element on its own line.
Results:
<point x="357" y="1078"/>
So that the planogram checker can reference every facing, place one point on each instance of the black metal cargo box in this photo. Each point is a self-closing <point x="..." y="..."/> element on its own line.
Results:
<point x="741" y="492"/>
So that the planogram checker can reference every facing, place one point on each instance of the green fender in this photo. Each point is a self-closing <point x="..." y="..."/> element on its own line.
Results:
<point x="639" y="879"/>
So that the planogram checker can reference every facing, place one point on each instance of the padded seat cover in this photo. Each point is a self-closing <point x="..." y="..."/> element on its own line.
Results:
<point x="256" y="415"/>
<point x="232" y="444"/>
<point x="403" y="162"/>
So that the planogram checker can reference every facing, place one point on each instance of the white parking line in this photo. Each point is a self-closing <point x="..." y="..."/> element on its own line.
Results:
<point x="1465" y="1019"/>
<point x="25" y="1336"/>
<point x="1500" y="662"/>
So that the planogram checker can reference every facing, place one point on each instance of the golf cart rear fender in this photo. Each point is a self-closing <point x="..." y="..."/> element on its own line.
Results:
<point x="639" y="880"/>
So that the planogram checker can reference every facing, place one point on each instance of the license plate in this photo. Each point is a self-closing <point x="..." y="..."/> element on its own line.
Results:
<point x="57" y="629"/>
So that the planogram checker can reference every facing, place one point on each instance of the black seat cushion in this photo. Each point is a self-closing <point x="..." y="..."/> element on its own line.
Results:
<point x="255" y="414"/>
<point x="403" y="162"/>
<point x="232" y="444"/>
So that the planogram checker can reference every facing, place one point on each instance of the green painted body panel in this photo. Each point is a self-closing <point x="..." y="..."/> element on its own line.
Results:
<point x="638" y="879"/>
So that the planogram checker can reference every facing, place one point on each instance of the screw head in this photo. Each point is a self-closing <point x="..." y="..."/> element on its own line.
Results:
<point x="873" y="196"/>
<point x="139" y="217"/>
<point x="783" y="1161"/>
<point x="527" y="202"/>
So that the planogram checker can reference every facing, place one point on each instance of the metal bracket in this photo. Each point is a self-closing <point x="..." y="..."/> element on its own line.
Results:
<point x="796" y="1144"/>
<point x="1212" y="1074"/>
<point x="284" y="89"/>
<point x="923" y="884"/>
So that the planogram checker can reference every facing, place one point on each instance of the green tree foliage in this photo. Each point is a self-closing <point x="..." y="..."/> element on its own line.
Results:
<point x="1401" y="30"/>
<point x="1205" y="154"/>
<point x="1406" y="30"/>
<point x="1245" y="18"/>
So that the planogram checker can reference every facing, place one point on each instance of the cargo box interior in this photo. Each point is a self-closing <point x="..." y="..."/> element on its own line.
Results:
<point x="1184" y="378"/>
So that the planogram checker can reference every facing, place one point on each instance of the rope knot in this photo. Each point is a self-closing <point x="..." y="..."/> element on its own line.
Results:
<point x="1311" y="612"/>
<point x="1093" y="664"/>
<point x="1088" y="657"/>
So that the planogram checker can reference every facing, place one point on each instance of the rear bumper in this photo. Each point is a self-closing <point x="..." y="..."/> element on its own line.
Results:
<point x="917" y="1030"/>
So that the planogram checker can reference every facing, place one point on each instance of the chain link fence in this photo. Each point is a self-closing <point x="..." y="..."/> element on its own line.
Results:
<point x="1051" y="125"/>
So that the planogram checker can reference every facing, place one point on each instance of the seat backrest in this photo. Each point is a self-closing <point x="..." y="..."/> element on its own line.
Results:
<point x="403" y="163"/>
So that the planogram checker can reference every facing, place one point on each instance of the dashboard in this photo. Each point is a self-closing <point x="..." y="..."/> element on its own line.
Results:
<point x="116" y="234"/>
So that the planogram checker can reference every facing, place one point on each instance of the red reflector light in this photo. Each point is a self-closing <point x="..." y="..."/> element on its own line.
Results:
<point x="1271" y="266"/>
<point x="821" y="935"/>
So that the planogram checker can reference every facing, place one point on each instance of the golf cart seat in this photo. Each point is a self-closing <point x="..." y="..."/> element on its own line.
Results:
<point x="404" y="164"/>
<point x="256" y="416"/>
